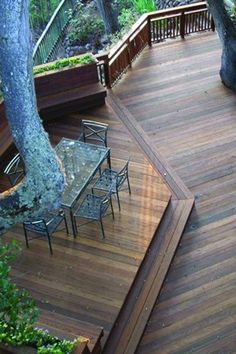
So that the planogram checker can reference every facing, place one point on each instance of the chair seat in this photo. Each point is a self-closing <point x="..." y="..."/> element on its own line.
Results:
<point x="90" y="207"/>
<point x="113" y="181"/>
<point x="107" y="180"/>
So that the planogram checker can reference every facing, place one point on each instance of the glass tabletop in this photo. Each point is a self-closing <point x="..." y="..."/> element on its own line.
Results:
<point x="80" y="161"/>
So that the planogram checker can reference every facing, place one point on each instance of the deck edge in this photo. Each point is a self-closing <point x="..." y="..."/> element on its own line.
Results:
<point x="130" y="324"/>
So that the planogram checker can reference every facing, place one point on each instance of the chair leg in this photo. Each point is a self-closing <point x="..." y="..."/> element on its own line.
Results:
<point x="103" y="233"/>
<point x="26" y="237"/>
<point x="112" y="210"/>
<point x="109" y="159"/>
<point x="66" y="225"/>
<point x="76" y="228"/>
<point x="118" y="199"/>
<point x="49" y="242"/>
<point x="128" y="184"/>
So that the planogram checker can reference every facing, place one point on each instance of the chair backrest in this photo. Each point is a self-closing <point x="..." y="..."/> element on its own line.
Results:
<point x="15" y="170"/>
<point x="44" y="224"/>
<point x="122" y="174"/>
<point x="95" y="131"/>
<point x="105" y="202"/>
<point x="37" y="225"/>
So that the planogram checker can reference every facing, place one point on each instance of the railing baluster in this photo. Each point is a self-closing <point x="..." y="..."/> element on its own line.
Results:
<point x="182" y="24"/>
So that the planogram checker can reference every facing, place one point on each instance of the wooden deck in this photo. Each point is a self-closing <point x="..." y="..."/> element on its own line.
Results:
<point x="88" y="279"/>
<point x="174" y="93"/>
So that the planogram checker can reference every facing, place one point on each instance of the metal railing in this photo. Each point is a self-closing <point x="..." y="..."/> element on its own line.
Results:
<point x="47" y="43"/>
<point x="151" y="28"/>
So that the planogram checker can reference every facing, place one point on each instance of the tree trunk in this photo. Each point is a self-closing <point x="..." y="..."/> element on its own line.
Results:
<point x="108" y="16"/>
<point x="227" y="33"/>
<point x="44" y="183"/>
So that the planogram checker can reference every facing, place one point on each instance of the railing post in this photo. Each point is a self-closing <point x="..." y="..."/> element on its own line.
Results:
<point x="182" y="24"/>
<point x="213" y="27"/>
<point x="107" y="73"/>
<point x="149" y="29"/>
<point x="129" y="56"/>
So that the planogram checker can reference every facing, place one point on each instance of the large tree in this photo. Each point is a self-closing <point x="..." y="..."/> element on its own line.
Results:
<point x="43" y="184"/>
<point x="108" y="15"/>
<point x="226" y="29"/>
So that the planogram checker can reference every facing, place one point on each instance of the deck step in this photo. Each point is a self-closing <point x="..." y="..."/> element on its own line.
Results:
<point x="55" y="323"/>
<point x="131" y="322"/>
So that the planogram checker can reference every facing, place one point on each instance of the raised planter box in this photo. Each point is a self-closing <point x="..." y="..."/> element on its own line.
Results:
<point x="68" y="90"/>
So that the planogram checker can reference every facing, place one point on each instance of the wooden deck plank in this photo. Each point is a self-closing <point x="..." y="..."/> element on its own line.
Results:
<point x="87" y="278"/>
<point x="175" y="94"/>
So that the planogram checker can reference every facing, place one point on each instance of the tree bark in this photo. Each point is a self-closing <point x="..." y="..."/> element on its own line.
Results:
<point x="227" y="33"/>
<point x="108" y="16"/>
<point x="43" y="184"/>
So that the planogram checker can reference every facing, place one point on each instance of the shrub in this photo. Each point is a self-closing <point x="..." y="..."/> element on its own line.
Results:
<point x="41" y="11"/>
<point x="18" y="313"/>
<point x="142" y="6"/>
<point x="85" y="26"/>
<point x="122" y="4"/>
<point x="126" y="19"/>
<point x="66" y="62"/>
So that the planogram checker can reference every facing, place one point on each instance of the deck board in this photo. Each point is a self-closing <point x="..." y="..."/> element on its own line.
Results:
<point x="88" y="278"/>
<point x="175" y="94"/>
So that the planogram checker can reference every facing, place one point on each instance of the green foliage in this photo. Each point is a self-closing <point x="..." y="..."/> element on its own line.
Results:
<point x="66" y="62"/>
<point x="41" y="11"/>
<point x="126" y="19"/>
<point x="142" y="6"/>
<point x="85" y="26"/>
<point x="233" y="13"/>
<point x="17" y="309"/>
<point x="18" y="313"/>
<point x="122" y="5"/>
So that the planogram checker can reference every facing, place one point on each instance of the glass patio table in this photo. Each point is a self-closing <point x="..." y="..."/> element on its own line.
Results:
<point x="81" y="161"/>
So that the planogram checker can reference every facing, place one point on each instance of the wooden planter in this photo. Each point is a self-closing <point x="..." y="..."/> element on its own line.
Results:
<point x="69" y="90"/>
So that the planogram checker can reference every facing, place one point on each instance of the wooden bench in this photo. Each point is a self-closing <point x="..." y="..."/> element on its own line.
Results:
<point x="58" y="93"/>
<point x="69" y="90"/>
<point x="69" y="101"/>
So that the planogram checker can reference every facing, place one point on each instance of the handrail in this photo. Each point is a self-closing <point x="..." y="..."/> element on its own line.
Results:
<point x="51" y="35"/>
<point x="151" y="28"/>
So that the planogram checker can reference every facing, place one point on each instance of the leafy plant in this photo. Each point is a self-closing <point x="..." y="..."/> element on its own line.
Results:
<point x="66" y="62"/>
<point x="122" y="4"/>
<point x="142" y="6"/>
<point x="85" y="26"/>
<point x="17" y="309"/>
<point x="41" y="11"/>
<point x="126" y="19"/>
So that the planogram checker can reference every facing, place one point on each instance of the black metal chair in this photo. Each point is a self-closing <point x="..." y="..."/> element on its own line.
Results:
<point x="15" y="170"/>
<point x="94" y="208"/>
<point x="114" y="180"/>
<point x="45" y="227"/>
<point x="95" y="132"/>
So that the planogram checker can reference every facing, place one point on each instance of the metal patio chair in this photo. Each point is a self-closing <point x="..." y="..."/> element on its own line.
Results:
<point x="95" y="208"/>
<point x="15" y="170"/>
<point x="114" y="180"/>
<point x="95" y="132"/>
<point x="44" y="227"/>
